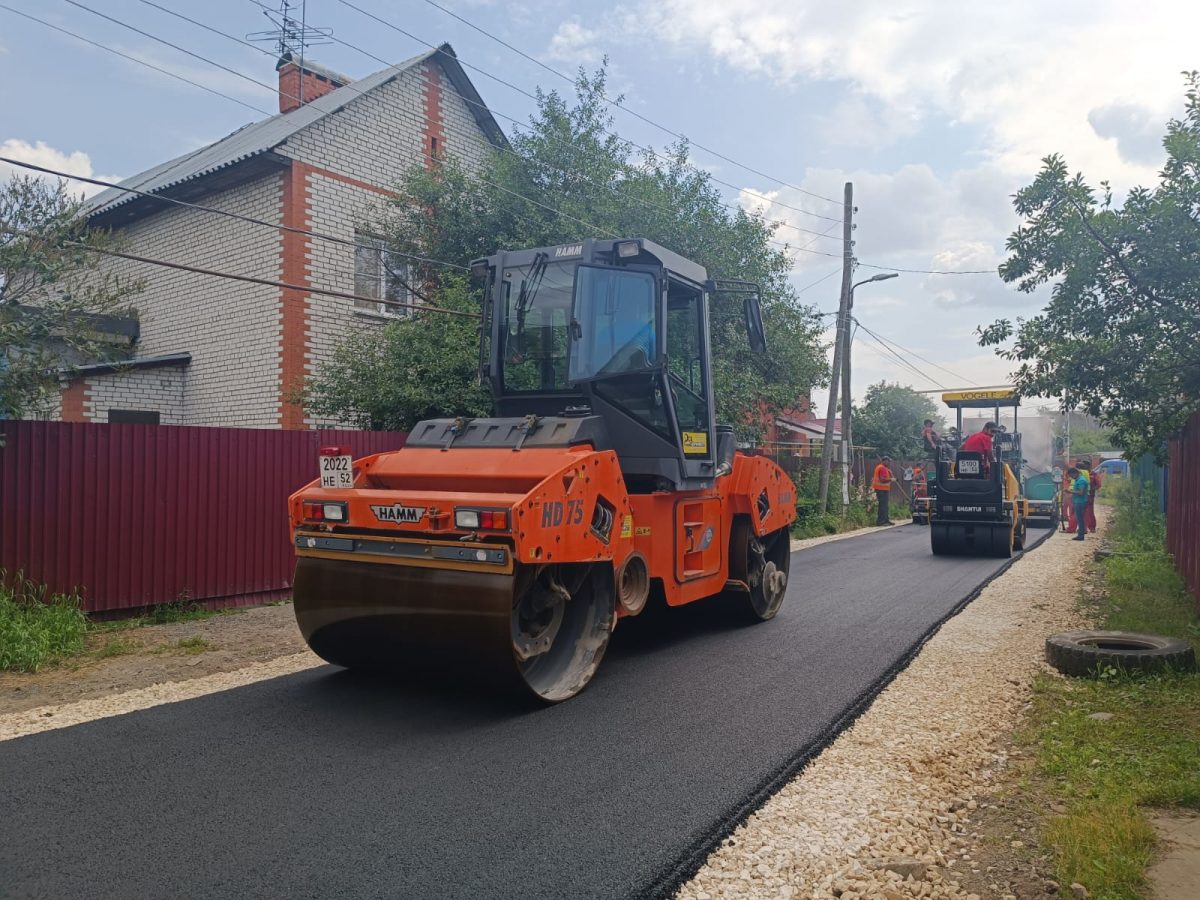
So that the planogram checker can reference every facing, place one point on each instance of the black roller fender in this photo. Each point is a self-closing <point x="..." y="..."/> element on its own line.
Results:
<point x="1083" y="653"/>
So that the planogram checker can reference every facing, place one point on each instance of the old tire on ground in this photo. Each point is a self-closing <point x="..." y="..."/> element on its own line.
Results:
<point x="1088" y="652"/>
<point x="762" y="564"/>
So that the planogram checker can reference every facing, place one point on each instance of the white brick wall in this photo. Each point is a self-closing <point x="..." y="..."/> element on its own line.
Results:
<point x="230" y="328"/>
<point x="158" y="390"/>
<point x="233" y="330"/>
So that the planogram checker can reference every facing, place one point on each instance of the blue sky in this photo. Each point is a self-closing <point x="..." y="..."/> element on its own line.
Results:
<point x="937" y="111"/>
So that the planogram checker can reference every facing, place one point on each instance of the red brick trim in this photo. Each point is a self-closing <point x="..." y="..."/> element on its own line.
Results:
<point x="294" y="361"/>
<point x="350" y="180"/>
<point x="75" y="401"/>
<point x="435" y="131"/>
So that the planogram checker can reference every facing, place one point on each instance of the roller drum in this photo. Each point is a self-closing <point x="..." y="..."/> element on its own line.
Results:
<point x="438" y="625"/>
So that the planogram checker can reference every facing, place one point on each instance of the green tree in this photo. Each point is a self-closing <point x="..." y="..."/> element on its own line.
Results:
<point x="422" y="367"/>
<point x="1118" y="338"/>
<point x="568" y="178"/>
<point x="51" y="288"/>
<point x="891" y="418"/>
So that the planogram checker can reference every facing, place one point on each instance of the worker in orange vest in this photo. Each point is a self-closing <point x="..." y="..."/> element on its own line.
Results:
<point x="881" y="484"/>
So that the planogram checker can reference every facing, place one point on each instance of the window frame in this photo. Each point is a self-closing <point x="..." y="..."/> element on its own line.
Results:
<point x="386" y="265"/>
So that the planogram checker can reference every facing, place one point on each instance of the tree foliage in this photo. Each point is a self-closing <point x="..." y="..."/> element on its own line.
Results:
<point x="51" y="287"/>
<point x="568" y="178"/>
<point x="1118" y="338"/>
<point x="390" y="378"/>
<point x="891" y="418"/>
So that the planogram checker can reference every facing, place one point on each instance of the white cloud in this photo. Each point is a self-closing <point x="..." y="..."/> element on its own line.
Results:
<point x="1026" y="73"/>
<point x="575" y="45"/>
<point x="40" y="153"/>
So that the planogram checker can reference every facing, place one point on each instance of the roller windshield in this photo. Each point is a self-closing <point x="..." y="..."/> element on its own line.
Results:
<point x="536" y="304"/>
<point x="615" y="323"/>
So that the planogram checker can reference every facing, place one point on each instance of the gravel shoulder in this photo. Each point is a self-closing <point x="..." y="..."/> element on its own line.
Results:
<point x="907" y="801"/>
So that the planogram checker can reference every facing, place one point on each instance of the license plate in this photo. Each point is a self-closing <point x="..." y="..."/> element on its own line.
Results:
<point x="337" y="472"/>
<point x="969" y="467"/>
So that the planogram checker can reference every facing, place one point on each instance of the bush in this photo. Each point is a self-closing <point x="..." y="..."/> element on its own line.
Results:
<point x="35" y="631"/>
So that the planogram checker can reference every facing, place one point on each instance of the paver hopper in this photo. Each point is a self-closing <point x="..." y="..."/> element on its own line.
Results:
<point x="509" y="548"/>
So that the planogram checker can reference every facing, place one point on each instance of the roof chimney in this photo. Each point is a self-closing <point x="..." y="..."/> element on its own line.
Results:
<point x="298" y="86"/>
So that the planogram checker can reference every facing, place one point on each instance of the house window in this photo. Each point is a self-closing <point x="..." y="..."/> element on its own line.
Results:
<point x="380" y="274"/>
<point x="132" y="417"/>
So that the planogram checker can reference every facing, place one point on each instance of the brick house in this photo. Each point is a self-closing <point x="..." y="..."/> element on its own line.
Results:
<point x="211" y="351"/>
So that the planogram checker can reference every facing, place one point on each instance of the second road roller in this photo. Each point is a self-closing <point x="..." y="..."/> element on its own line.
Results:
<point x="508" y="548"/>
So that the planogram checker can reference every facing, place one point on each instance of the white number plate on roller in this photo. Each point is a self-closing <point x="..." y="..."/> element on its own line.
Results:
<point x="969" y="467"/>
<point x="337" y="472"/>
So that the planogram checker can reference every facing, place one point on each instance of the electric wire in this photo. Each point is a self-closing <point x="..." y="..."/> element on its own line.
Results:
<point x="914" y="353"/>
<point x="637" y="115"/>
<point x="534" y="97"/>
<point x="359" y="92"/>
<point x="303" y="288"/>
<point x="140" y="62"/>
<point x="930" y="271"/>
<point x="597" y="229"/>
<point x="609" y="187"/>
<point x="904" y="362"/>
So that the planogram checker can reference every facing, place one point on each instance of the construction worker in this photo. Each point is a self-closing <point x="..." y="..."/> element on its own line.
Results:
<point x="1080" y="487"/>
<point x="1089" y="514"/>
<point x="930" y="438"/>
<point x="919" y="487"/>
<point x="981" y="441"/>
<point x="881" y="484"/>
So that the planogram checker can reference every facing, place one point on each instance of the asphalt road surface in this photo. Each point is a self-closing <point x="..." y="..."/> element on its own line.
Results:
<point x="330" y="784"/>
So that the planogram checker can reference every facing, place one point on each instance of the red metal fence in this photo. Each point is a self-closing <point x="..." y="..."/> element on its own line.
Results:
<point x="1183" y="505"/>
<point x="136" y="515"/>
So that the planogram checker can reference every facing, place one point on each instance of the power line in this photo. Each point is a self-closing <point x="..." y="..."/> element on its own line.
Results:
<point x="533" y="97"/>
<point x="611" y="188"/>
<point x="270" y="87"/>
<point x="390" y="65"/>
<point x="617" y="105"/>
<point x="140" y="62"/>
<point x="917" y="355"/>
<point x="904" y="362"/>
<point x="303" y="288"/>
<point x="498" y="187"/>
<point x="931" y="271"/>
<point x="222" y="212"/>
<point x="813" y="284"/>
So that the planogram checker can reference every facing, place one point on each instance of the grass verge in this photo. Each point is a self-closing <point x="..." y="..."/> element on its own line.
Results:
<point x="1110" y="746"/>
<point x="36" y="630"/>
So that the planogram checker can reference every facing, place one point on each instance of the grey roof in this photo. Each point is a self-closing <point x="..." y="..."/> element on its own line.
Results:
<point x="261" y="137"/>
<point x="140" y="362"/>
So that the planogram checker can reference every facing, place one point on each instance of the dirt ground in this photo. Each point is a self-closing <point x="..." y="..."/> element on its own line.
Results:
<point x="152" y="654"/>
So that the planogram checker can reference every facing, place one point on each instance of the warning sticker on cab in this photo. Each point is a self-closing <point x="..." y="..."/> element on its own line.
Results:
<point x="627" y="527"/>
<point x="695" y="442"/>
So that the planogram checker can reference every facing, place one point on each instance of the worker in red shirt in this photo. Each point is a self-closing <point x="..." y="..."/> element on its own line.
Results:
<point x="881" y="484"/>
<point x="981" y="441"/>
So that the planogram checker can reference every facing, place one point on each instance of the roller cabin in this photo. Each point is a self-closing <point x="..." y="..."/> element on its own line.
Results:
<point x="507" y="549"/>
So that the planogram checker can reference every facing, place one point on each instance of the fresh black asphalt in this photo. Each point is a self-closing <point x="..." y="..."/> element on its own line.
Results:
<point x="329" y="784"/>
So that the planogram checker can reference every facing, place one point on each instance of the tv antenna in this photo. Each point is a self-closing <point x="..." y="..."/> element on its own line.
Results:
<point x="291" y="35"/>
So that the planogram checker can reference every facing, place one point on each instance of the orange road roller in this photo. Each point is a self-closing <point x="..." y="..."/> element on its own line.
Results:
<point x="509" y="548"/>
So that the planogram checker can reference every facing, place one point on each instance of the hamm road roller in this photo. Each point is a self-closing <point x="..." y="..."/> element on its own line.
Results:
<point x="978" y="508"/>
<point x="508" y="548"/>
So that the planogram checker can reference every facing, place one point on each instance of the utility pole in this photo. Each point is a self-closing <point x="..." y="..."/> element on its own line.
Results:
<point x="847" y="398"/>
<point x="843" y="321"/>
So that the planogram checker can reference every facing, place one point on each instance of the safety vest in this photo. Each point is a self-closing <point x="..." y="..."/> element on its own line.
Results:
<point x="882" y="479"/>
